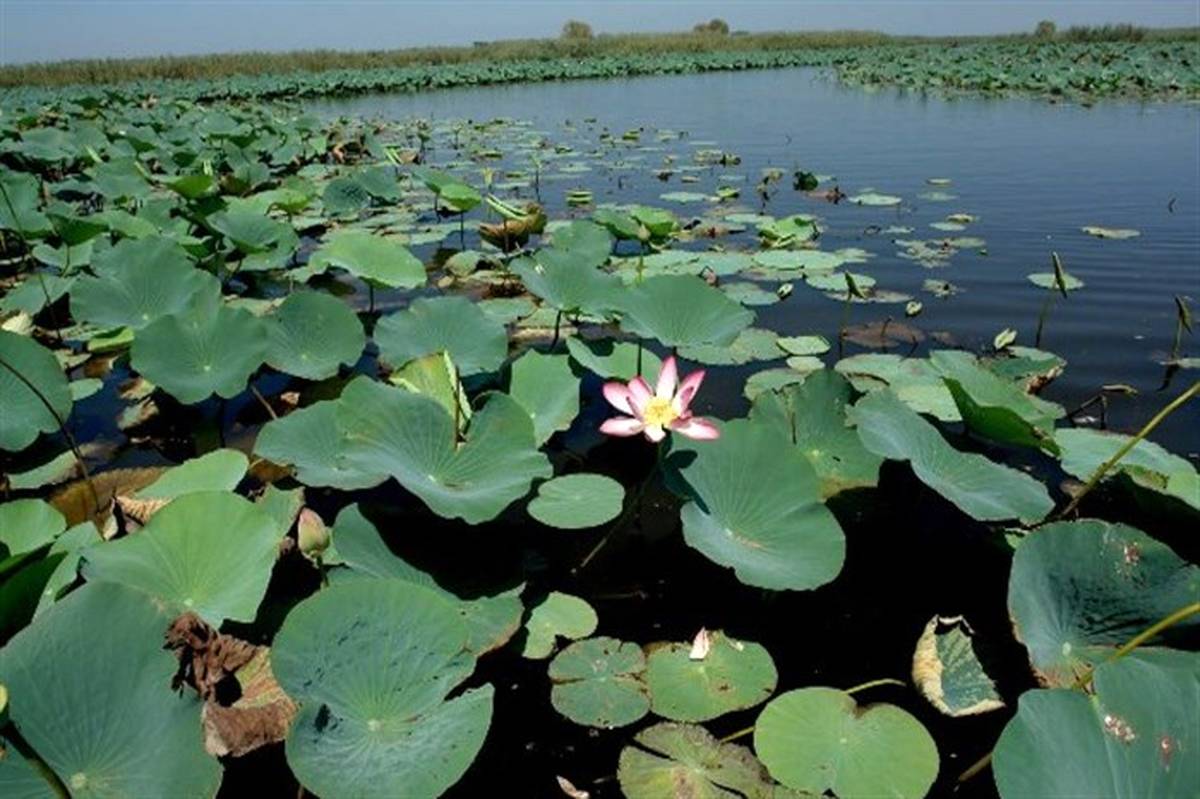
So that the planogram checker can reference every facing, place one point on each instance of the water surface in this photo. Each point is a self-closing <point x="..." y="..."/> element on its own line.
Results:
<point x="1032" y="172"/>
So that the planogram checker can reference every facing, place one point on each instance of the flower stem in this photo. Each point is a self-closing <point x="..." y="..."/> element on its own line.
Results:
<point x="1085" y="679"/>
<point x="875" y="684"/>
<point x="1105" y="467"/>
<point x="634" y="502"/>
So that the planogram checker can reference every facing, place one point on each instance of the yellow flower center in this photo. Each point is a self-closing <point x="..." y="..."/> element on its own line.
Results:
<point x="659" y="411"/>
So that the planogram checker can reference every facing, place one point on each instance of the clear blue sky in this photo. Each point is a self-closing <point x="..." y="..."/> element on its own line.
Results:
<point x="49" y="30"/>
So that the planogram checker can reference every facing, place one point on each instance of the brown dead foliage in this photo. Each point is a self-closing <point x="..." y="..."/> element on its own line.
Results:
<point x="244" y="706"/>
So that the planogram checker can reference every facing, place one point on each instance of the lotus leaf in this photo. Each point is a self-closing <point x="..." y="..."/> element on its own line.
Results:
<point x="737" y="516"/>
<point x="597" y="683"/>
<point x="1079" y="589"/>
<point x="372" y="723"/>
<point x="312" y="334"/>
<point x="980" y="488"/>
<point x="680" y="310"/>
<point x="27" y="370"/>
<point x="558" y="615"/>
<point x="476" y="342"/>
<point x="732" y="675"/>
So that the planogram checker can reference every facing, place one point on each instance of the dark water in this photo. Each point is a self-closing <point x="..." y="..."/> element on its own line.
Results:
<point x="1033" y="173"/>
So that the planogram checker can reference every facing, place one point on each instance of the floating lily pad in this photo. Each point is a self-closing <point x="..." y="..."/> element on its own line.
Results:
<point x="737" y="516"/>
<point x="154" y="278"/>
<point x="981" y="488"/>
<point x="491" y="620"/>
<point x="546" y="387"/>
<point x="669" y="760"/>
<point x="812" y="415"/>
<point x="476" y="342"/>
<point x="1133" y="738"/>
<point x="1147" y="465"/>
<point x="204" y="351"/>
<point x="568" y="280"/>
<point x="209" y="552"/>
<point x="732" y="675"/>
<point x="1080" y="589"/>
<point x="577" y="501"/>
<point x="597" y="683"/>
<point x="913" y="380"/>
<point x="1048" y="280"/>
<point x="819" y="740"/>
<point x="312" y="334"/>
<point x="947" y="671"/>
<point x="804" y="345"/>
<point x="752" y="344"/>
<point x="28" y="363"/>
<point x="26" y="525"/>
<point x="310" y="440"/>
<point x="559" y="615"/>
<point x="77" y="674"/>
<point x="996" y="408"/>
<point x="219" y="470"/>
<point x="680" y="310"/>
<point x="372" y="723"/>
<point x="412" y="438"/>
<point x="618" y="360"/>
<point x="369" y="257"/>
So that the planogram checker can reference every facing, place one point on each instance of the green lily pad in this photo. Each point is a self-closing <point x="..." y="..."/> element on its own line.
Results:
<point x="252" y="232"/>
<point x="568" y="280"/>
<point x="207" y="350"/>
<point x="153" y="278"/>
<point x="369" y="257"/>
<point x="812" y="415"/>
<point x="1133" y="739"/>
<point x="312" y="334"/>
<point x="26" y="525"/>
<point x="310" y="440"/>
<point x="219" y="470"/>
<point x="682" y="310"/>
<point x="1147" y="465"/>
<point x="913" y="380"/>
<point x="412" y="438"/>
<point x="996" y="408"/>
<point x="476" y="342"/>
<point x="27" y="363"/>
<point x="577" y="501"/>
<point x="738" y="517"/>
<point x="803" y="345"/>
<point x="732" y="675"/>
<point x="748" y="293"/>
<point x="616" y="360"/>
<point x="491" y="620"/>
<point x="345" y="195"/>
<point x="819" y="739"/>
<point x="1080" y="589"/>
<point x="980" y="488"/>
<point x="669" y="760"/>
<point x="77" y="676"/>
<point x="548" y="390"/>
<point x="947" y="671"/>
<point x="597" y="683"/>
<point x="370" y="722"/>
<point x="752" y="344"/>
<point x="586" y="239"/>
<point x="209" y="552"/>
<point x="559" y="615"/>
<point x="434" y="376"/>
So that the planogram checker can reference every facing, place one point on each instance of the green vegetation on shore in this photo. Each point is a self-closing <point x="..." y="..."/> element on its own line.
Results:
<point x="577" y="44"/>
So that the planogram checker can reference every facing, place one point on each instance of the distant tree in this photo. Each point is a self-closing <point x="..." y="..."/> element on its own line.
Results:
<point x="1045" y="29"/>
<point x="575" y="30"/>
<point x="715" y="26"/>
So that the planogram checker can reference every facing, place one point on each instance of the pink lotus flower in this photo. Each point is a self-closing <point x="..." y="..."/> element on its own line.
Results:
<point x="653" y="414"/>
